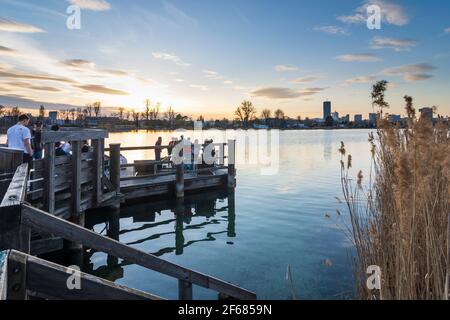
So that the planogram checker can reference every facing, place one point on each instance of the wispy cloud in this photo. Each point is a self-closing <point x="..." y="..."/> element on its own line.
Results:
<point x="362" y="79"/>
<point x="78" y="63"/>
<point x="286" y="68"/>
<point x="25" y="85"/>
<point x="447" y="30"/>
<point x="94" y="5"/>
<point x="102" y="89"/>
<point x="201" y="87"/>
<point x="32" y="76"/>
<point x="170" y="57"/>
<point x="391" y="13"/>
<point x="332" y="30"/>
<point x="392" y="43"/>
<point x="178" y="15"/>
<point x="212" y="75"/>
<point x="6" y="50"/>
<point x="283" y="93"/>
<point x="411" y="72"/>
<point x="14" y="26"/>
<point x="360" y="57"/>
<point x="307" y="79"/>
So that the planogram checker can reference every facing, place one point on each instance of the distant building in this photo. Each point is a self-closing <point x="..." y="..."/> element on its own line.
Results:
<point x="358" y="118"/>
<point x="53" y="116"/>
<point x="373" y="117"/>
<point x="394" y="118"/>
<point x="427" y="113"/>
<point x="345" y="119"/>
<point x="326" y="109"/>
<point x="335" y="116"/>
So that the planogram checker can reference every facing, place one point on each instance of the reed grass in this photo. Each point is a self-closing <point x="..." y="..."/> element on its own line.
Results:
<point x="399" y="212"/>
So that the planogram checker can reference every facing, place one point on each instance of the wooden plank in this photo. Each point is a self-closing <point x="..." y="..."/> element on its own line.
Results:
<point x="184" y="290"/>
<point x="76" y="179"/>
<point x="47" y="245"/>
<point x="3" y="273"/>
<point x="39" y="220"/>
<point x="16" y="276"/>
<point x="49" y="181"/>
<point x="50" y="279"/>
<point x="13" y="235"/>
<point x="98" y="173"/>
<point x="16" y="192"/>
<point x="114" y="166"/>
<point x="10" y="159"/>
<point x="73" y="135"/>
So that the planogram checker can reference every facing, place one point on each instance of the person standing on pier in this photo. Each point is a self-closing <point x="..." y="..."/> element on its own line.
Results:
<point x="158" y="149"/>
<point x="36" y="140"/>
<point x="19" y="137"/>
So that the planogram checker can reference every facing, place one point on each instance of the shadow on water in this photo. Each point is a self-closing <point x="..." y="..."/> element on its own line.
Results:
<point x="150" y="222"/>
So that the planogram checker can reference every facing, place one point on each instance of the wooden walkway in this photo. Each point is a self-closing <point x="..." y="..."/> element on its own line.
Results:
<point x="43" y="206"/>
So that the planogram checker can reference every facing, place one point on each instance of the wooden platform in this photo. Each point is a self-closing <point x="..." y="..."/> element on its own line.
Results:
<point x="165" y="185"/>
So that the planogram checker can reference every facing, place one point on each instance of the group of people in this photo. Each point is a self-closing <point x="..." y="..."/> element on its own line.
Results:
<point x="21" y="137"/>
<point x="194" y="149"/>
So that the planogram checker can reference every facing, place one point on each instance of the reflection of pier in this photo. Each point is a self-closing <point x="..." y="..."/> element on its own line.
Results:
<point x="181" y="215"/>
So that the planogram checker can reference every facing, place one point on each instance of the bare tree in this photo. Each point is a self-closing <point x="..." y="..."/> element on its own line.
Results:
<point x="89" y="109"/>
<point x="146" y="113"/>
<point x="265" y="114"/>
<point x="279" y="114"/>
<point x="121" y="112"/>
<point x="2" y="110"/>
<point x="97" y="107"/>
<point x="170" y="114"/>
<point x="128" y="115"/>
<point x="245" y="112"/>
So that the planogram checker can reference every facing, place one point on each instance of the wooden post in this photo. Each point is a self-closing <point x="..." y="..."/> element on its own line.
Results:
<point x="76" y="180"/>
<point x="16" y="277"/>
<point x="231" y="228"/>
<point x="10" y="159"/>
<point x="114" y="165"/>
<point x="49" y="177"/>
<point x="231" y="183"/>
<point x="98" y="163"/>
<point x="14" y="235"/>
<point x="184" y="290"/>
<point x="179" y="183"/>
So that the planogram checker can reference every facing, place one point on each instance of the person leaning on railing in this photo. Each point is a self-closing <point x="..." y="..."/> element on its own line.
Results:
<point x="19" y="137"/>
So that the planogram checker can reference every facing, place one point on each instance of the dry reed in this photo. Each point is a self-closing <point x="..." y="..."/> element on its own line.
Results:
<point x="400" y="214"/>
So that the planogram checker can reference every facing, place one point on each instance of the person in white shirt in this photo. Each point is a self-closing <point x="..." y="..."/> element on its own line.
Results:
<point x="19" y="137"/>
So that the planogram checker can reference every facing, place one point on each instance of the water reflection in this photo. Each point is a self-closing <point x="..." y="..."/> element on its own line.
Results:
<point x="196" y="219"/>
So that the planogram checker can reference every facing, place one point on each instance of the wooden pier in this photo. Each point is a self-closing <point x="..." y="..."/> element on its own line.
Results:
<point x="44" y="204"/>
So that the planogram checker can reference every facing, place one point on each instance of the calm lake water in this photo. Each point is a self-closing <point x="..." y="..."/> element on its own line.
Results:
<point x="249" y="237"/>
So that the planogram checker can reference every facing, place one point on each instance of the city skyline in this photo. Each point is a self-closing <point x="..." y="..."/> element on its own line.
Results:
<point x="204" y="58"/>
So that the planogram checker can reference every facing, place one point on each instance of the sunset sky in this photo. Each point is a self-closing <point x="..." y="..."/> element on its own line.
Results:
<point x="205" y="57"/>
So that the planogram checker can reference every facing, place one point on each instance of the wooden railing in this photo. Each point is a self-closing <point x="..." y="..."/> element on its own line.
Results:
<point x="23" y="276"/>
<point x="17" y="218"/>
<point x="222" y="160"/>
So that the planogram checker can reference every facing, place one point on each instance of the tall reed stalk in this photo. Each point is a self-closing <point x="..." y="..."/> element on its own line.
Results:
<point x="400" y="216"/>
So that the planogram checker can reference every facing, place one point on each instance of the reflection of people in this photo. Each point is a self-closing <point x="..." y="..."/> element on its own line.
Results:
<point x="158" y="149"/>
<point x="19" y="137"/>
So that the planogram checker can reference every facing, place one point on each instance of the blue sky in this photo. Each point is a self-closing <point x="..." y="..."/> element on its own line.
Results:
<point x="205" y="57"/>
